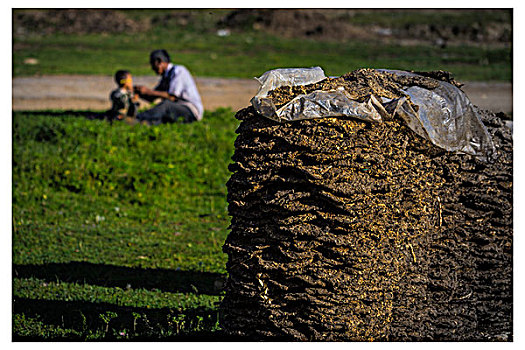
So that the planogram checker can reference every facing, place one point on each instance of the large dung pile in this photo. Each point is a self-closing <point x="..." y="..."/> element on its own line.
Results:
<point x="348" y="230"/>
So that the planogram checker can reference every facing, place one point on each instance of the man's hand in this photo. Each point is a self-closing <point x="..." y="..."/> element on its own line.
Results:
<point x="142" y="90"/>
<point x="150" y="95"/>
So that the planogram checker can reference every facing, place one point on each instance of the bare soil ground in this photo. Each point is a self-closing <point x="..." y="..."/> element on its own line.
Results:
<point x="75" y="92"/>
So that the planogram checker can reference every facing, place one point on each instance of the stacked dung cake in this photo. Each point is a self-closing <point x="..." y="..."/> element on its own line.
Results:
<point x="349" y="230"/>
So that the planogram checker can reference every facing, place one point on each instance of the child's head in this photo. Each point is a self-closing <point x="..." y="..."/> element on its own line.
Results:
<point x="123" y="79"/>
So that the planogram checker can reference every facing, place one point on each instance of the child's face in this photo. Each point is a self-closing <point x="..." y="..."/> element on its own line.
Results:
<point x="128" y="82"/>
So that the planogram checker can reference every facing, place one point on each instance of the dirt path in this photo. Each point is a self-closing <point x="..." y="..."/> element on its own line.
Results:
<point x="74" y="92"/>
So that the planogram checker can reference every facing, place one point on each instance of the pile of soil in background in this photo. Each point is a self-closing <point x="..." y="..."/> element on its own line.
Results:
<point x="74" y="21"/>
<point x="355" y="24"/>
<point x="348" y="230"/>
<point x="404" y="27"/>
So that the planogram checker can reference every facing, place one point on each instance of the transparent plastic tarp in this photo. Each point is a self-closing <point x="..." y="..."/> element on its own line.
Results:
<point x="444" y="115"/>
<point x="276" y="78"/>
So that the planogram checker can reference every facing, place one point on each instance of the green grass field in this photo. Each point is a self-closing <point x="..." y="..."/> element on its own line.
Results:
<point x="117" y="229"/>
<point x="249" y="56"/>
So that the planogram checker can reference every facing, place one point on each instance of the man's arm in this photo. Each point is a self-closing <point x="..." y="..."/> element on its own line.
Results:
<point x="150" y="95"/>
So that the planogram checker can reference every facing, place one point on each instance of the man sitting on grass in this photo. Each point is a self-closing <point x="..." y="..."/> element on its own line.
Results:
<point x="180" y="98"/>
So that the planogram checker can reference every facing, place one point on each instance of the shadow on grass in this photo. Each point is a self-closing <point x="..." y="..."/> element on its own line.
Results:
<point x="104" y="321"/>
<point x="62" y="113"/>
<point x="125" y="277"/>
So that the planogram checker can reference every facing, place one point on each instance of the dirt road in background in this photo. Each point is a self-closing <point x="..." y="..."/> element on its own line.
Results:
<point x="75" y="92"/>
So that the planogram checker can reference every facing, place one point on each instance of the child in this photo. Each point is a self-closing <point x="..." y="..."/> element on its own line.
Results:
<point x="124" y="102"/>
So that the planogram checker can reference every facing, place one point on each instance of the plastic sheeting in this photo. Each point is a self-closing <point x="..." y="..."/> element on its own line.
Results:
<point x="443" y="115"/>
<point x="276" y="78"/>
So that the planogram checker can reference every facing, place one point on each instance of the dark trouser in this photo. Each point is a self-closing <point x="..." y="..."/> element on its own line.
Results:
<point x="167" y="112"/>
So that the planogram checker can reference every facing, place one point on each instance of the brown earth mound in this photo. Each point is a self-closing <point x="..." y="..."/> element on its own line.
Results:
<point x="344" y="24"/>
<point x="323" y="24"/>
<point x="347" y="230"/>
<point x="73" y="21"/>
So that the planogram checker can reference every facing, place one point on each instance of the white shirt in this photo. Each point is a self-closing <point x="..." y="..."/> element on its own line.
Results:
<point x="177" y="81"/>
